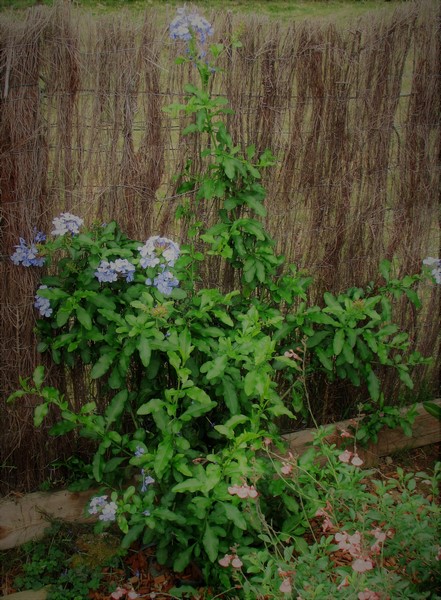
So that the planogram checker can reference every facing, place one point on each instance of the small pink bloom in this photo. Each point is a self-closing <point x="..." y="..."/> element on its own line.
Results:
<point x="252" y="492"/>
<point x="286" y="469"/>
<point x="361" y="565"/>
<point x="285" y="586"/>
<point x="368" y="595"/>
<point x="225" y="561"/>
<point x="342" y="540"/>
<point x="345" y="456"/>
<point x="343" y="584"/>
<point x="356" y="461"/>
<point x="345" y="434"/>
<point x="327" y="524"/>
<point x="242" y="492"/>
<point x="236" y="562"/>
<point x="379" y="534"/>
<point x="376" y="549"/>
<point x="233" y="490"/>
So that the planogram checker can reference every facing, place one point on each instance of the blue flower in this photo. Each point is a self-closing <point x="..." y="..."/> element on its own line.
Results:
<point x="106" y="509"/>
<point x="109" y="271"/>
<point x="27" y="254"/>
<point x="139" y="451"/>
<point x="105" y="273"/>
<point x="146" y="481"/>
<point x="43" y="304"/>
<point x="123" y="267"/>
<point x="187" y="25"/>
<point x="164" y="282"/>
<point x="436" y="263"/>
<point x="158" y="250"/>
<point x="67" y="223"/>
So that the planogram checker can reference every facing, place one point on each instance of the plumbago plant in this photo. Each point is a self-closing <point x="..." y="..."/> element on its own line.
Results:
<point x="195" y="379"/>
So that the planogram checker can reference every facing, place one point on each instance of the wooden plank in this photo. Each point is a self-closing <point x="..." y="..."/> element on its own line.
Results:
<point x="27" y="517"/>
<point x="425" y="430"/>
<point x="29" y="595"/>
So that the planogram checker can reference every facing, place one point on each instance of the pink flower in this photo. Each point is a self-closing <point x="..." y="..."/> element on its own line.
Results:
<point x="225" y="561"/>
<point x="118" y="593"/>
<point x="379" y="534"/>
<point x="356" y="461"/>
<point x="292" y="354"/>
<point x="350" y="543"/>
<point x="368" y="595"/>
<point x="236" y="562"/>
<point x="286" y="469"/>
<point x="345" y="434"/>
<point x="343" y="584"/>
<point x="361" y="565"/>
<point x="243" y="491"/>
<point x="345" y="456"/>
<point x="327" y="524"/>
<point x="285" y="586"/>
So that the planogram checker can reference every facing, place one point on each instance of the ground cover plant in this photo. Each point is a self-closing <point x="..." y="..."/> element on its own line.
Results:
<point x="188" y="450"/>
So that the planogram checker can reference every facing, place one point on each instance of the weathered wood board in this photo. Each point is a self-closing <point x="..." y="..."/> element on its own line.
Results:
<point x="426" y="430"/>
<point x="29" y="595"/>
<point x="26" y="518"/>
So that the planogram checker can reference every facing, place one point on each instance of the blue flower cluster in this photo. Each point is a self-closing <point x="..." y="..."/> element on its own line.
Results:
<point x="66" y="223"/>
<point x="186" y="25"/>
<point x="158" y="250"/>
<point x="27" y="254"/>
<point x="163" y="253"/>
<point x="164" y="282"/>
<point x="106" y="510"/>
<point x="109" y="271"/>
<point x="42" y="304"/>
<point x="436" y="271"/>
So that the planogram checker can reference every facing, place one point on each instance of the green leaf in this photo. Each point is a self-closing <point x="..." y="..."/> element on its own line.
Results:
<point x="182" y="561"/>
<point x="144" y="349"/>
<point x="373" y="385"/>
<point x="102" y="365"/>
<point x="433" y="409"/>
<point x="38" y="376"/>
<point x="188" y="485"/>
<point x="113" y="464"/>
<point x="215" y="368"/>
<point x="97" y="466"/>
<point x="230" y="395"/>
<point x="150" y="406"/>
<point x="234" y="515"/>
<point x="385" y="267"/>
<point x="63" y="315"/>
<point x="132" y="535"/>
<point x="116" y="407"/>
<point x="211" y="543"/>
<point x="40" y="413"/>
<point x="339" y="340"/>
<point x="331" y="302"/>
<point x="324" y="359"/>
<point x="255" y="383"/>
<point x="163" y="457"/>
<point x="84" y="317"/>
